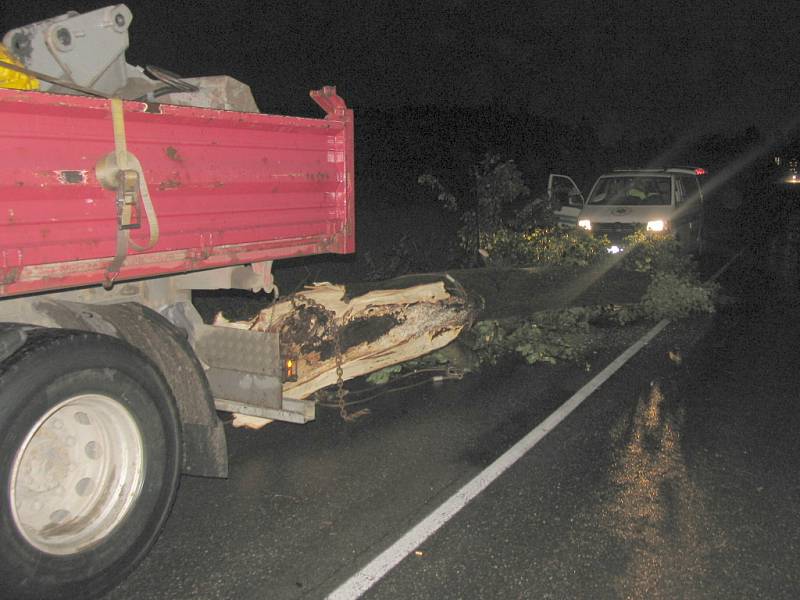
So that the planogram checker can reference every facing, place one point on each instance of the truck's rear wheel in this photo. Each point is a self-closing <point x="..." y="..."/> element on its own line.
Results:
<point x="89" y="463"/>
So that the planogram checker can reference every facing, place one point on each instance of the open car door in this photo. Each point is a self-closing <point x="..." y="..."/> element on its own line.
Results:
<point x="565" y="198"/>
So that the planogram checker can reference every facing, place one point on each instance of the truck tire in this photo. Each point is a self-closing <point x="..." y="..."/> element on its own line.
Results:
<point x="89" y="463"/>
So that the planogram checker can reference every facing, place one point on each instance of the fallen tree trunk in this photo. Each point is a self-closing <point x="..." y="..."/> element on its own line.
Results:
<point x="327" y="327"/>
<point x="366" y="327"/>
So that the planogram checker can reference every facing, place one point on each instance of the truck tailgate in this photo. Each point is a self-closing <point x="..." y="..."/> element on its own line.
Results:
<point x="227" y="188"/>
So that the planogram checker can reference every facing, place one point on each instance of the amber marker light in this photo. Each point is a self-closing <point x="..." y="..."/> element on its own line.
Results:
<point x="289" y="369"/>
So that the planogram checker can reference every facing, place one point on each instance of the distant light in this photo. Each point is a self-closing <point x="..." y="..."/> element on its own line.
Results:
<point x="658" y="225"/>
<point x="586" y="224"/>
<point x="792" y="178"/>
<point x="700" y="171"/>
<point x="614" y="250"/>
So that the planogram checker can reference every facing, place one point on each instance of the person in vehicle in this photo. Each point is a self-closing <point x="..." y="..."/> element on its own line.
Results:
<point x="637" y="190"/>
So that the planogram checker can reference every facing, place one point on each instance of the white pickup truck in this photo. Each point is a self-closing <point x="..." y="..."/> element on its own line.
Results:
<point x="627" y="200"/>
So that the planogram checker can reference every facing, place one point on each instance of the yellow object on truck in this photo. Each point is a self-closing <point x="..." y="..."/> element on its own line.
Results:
<point x="14" y="79"/>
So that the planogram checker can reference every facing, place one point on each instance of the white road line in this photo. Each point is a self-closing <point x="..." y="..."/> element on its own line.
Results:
<point x="724" y="267"/>
<point x="389" y="558"/>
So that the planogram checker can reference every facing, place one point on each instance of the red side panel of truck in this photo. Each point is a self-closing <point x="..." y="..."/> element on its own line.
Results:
<point x="227" y="188"/>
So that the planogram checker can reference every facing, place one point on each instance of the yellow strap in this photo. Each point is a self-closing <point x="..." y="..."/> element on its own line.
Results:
<point x="124" y="159"/>
<point x="147" y="203"/>
<point x="120" y="143"/>
<point x="121" y="155"/>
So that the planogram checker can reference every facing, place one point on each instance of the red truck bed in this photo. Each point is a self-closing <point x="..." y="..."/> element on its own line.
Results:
<point x="228" y="188"/>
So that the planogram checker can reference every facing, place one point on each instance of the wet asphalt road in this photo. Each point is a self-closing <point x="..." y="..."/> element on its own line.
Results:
<point x="674" y="480"/>
<point x="671" y="482"/>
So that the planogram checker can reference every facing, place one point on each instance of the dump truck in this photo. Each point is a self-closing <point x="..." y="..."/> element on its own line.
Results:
<point x="112" y="212"/>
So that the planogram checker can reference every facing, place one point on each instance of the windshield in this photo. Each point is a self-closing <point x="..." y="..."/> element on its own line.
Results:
<point x="631" y="191"/>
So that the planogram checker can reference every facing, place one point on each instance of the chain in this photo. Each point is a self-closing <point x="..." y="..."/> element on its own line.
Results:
<point x="335" y="331"/>
<point x="340" y="393"/>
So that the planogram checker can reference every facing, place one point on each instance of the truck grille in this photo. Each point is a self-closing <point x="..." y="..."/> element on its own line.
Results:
<point x="614" y="231"/>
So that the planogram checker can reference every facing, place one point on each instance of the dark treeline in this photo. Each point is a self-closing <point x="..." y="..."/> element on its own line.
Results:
<point x="411" y="140"/>
<point x="401" y="227"/>
<point x="404" y="142"/>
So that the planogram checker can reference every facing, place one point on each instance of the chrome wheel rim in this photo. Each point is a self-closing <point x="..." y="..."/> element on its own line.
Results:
<point x="77" y="474"/>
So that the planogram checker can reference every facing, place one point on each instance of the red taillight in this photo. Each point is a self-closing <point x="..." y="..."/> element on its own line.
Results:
<point x="700" y="171"/>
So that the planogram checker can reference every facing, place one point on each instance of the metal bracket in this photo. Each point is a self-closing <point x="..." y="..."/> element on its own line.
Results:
<point x="128" y="200"/>
<point x="293" y="411"/>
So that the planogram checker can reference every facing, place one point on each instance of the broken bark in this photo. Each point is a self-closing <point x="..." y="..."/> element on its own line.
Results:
<point x="362" y="329"/>
<point x="369" y="326"/>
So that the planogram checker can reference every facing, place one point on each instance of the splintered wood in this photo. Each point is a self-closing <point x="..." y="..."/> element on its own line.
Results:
<point x="375" y="329"/>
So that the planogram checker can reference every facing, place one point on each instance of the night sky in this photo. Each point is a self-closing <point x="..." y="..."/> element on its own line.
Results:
<point x="634" y="68"/>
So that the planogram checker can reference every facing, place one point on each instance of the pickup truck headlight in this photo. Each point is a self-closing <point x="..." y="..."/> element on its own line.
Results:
<point x="659" y="225"/>
<point x="586" y="224"/>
